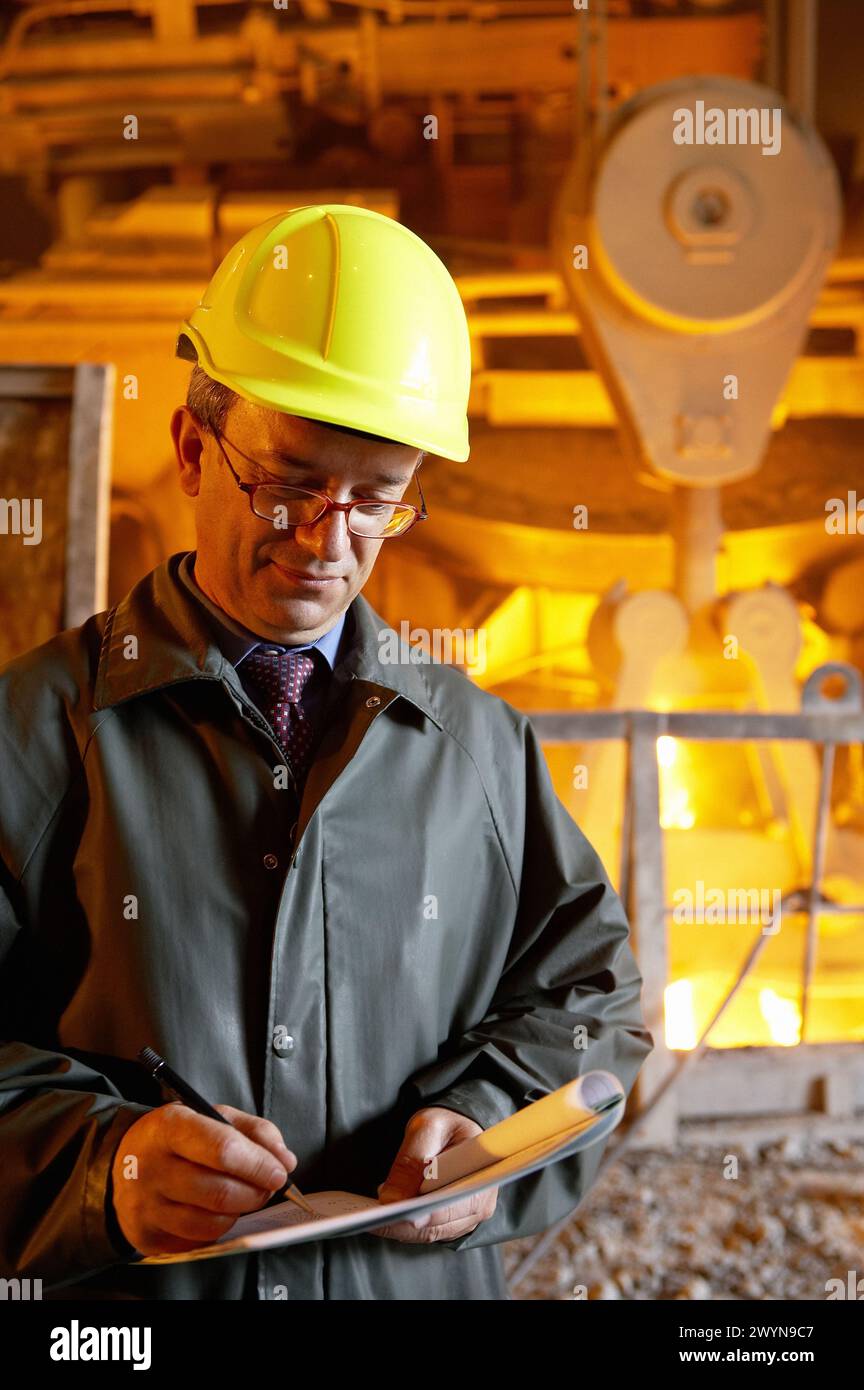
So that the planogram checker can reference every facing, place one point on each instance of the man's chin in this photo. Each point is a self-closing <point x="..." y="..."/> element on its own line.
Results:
<point x="298" y="615"/>
<point x="289" y="608"/>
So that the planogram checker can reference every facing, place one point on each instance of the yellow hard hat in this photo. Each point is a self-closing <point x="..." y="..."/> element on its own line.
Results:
<point x="337" y="313"/>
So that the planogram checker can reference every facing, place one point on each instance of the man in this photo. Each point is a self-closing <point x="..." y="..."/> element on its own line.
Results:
<point x="336" y="892"/>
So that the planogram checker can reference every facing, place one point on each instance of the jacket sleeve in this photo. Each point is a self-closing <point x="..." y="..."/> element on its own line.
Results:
<point x="60" y="1124"/>
<point x="569" y="963"/>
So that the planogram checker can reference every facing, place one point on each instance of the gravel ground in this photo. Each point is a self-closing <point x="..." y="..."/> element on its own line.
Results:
<point x="663" y="1225"/>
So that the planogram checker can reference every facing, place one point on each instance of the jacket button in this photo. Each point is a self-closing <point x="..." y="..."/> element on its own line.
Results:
<point x="283" y="1044"/>
<point x="270" y="861"/>
<point x="373" y="702"/>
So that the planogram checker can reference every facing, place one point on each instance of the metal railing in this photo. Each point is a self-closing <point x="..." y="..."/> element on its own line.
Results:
<point x="823" y="722"/>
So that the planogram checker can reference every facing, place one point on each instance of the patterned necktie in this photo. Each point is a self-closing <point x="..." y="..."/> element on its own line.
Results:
<point x="278" y="679"/>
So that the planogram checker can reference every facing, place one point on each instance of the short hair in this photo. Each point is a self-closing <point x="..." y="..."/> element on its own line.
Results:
<point x="210" y="401"/>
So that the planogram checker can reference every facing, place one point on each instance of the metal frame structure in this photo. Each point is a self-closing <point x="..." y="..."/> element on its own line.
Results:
<point x="453" y="57"/>
<point x="818" y="385"/>
<point x="89" y="390"/>
<point x="733" y="1082"/>
<point x="87" y="538"/>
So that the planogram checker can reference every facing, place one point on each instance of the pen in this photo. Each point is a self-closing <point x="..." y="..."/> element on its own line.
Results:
<point x="159" y="1069"/>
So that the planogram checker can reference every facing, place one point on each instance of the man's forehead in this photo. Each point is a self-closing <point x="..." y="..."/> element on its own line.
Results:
<point x="275" y="437"/>
<point x="274" y="430"/>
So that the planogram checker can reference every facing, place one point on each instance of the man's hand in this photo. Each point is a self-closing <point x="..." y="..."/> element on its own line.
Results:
<point x="194" y="1176"/>
<point x="428" y="1133"/>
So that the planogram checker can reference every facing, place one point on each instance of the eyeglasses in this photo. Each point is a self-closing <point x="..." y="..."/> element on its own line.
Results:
<point x="287" y="506"/>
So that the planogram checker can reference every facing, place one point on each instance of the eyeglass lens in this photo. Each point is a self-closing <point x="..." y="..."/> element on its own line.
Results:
<point x="289" y="507"/>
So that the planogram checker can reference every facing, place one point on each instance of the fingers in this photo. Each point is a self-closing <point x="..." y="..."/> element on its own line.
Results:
<point x="445" y="1223"/>
<point x="410" y="1234"/>
<point x="427" y="1133"/>
<point x="263" y="1132"/>
<point x="197" y="1186"/>
<point x="190" y="1224"/>
<point x="404" y="1179"/>
<point x="225" y="1148"/>
<point x="194" y="1176"/>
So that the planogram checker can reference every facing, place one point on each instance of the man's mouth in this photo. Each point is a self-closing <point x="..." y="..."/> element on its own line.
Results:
<point x="306" y="580"/>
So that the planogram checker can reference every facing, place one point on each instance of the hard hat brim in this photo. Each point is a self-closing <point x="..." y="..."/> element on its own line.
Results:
<point x="293" y="399"/>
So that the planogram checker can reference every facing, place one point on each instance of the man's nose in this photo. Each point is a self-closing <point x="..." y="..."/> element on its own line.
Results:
<point x="328" y="539"/>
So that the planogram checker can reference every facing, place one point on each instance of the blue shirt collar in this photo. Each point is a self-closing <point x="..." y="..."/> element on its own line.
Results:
<point x="236" y="641"/>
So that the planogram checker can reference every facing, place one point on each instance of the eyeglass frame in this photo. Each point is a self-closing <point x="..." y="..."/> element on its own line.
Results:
<point x="420" y="513"/>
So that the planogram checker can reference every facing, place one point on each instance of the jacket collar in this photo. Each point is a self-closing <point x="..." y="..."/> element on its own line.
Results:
<point x="173" y="642"/>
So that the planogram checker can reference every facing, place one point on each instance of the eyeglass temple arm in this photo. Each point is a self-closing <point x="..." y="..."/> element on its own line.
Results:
<point x="423" y="511"/>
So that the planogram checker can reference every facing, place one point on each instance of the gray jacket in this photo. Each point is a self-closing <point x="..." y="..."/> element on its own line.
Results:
<point x="430" y="927"/>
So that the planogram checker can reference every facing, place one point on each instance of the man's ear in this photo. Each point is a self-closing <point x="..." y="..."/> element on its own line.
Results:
<point x="188" y="436"/>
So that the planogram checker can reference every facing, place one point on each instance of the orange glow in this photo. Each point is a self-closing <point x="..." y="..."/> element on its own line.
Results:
<point x="680" y="1019"/>
<point x="783" y="1017"/>
<point x="676" y="812"/>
